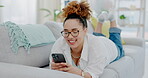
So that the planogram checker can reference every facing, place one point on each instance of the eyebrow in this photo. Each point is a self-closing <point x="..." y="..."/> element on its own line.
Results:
<point x="71" y="29"/>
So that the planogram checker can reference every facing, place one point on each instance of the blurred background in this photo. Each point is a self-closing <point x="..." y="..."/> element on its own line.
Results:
<point x="41" y="11"/>
<point x="131" y="15"/>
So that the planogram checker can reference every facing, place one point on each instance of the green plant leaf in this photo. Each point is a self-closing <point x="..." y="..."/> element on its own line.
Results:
<point x="46" y="10"/>
<point x="47" y="15"/>
<point x="43" y="9"/>
<point x="1" y="6"/>
<point x="122" y="17"/>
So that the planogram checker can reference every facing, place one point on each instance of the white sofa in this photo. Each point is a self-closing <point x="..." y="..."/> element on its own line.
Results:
<point x="24" y="65"/>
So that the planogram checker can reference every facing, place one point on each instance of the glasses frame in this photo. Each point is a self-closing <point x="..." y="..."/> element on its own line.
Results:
<point x="69" y="33"/>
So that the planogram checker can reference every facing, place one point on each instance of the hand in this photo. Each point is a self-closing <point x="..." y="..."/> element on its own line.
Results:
<point x="71" y="69"/>
<point x="57" y="66"/>
<point x="66" y="68"/>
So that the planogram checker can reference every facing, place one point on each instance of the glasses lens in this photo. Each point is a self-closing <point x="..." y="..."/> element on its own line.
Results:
<point x="75" y="34"/>
<point x="64" y="34"/>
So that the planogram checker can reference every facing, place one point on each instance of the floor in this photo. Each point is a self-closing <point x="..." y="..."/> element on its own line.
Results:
<point x="146" y="62"/>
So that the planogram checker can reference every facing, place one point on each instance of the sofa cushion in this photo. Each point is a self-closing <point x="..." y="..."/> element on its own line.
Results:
<point x="109" y="73"/>
<point x="9" y="71"/>
<point x="28" y="35"/>
<point x="138" y="55"/>
<point x="38" y="55"/>
<point x="124" y="67"/>
<point x="55" y="27"/>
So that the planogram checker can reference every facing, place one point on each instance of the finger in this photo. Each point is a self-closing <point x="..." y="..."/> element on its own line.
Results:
<point x="54" y="65"/>
<point x="68" y="65"/>
<point x="52" y="60"/>
<point x="65" y="69"/>
<point x="63" y="64"/>
<point x="54" y="68"/>
<point x="57" y="65"/>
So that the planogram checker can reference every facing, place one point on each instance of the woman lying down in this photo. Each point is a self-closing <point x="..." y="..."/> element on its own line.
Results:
<point x="86" y="54"/>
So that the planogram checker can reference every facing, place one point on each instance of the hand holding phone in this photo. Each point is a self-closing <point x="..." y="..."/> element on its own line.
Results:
<point x="58" y="58"/>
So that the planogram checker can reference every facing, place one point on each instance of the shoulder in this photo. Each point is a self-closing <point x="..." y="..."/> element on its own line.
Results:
<point x="96" y="39"/>
<point x="99" y="43"/>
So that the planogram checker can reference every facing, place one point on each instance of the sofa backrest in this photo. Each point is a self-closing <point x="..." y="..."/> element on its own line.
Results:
<point x="39" y="56"/>
<point x="57" y="27"/>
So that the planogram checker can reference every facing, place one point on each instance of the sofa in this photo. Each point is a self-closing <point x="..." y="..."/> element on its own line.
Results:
<point x="35" y="64"/>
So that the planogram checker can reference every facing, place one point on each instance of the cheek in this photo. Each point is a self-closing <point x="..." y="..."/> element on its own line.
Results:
<point x="80" y="38"/>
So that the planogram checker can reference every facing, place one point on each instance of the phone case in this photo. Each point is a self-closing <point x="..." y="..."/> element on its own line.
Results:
<point x="58" y="58"/>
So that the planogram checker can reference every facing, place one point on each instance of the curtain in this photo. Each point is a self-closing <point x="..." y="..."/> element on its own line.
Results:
<point x="18" y="11"/>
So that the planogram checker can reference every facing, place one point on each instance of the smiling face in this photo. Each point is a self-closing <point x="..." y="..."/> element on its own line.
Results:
<point x="73" y="25"/>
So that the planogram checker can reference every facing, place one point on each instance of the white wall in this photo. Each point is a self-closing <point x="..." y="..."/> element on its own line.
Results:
<point x="19" y="11"/>
<point x="146" y="21"/>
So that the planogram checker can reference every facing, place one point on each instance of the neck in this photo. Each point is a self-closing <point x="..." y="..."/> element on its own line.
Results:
<point x="77" y="51"/>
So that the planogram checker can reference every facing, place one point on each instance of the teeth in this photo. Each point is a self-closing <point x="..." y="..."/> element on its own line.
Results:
<point x="71" y="41"/>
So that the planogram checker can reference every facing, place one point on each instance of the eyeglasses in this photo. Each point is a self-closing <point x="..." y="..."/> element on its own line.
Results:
<point x="74" y="33"/>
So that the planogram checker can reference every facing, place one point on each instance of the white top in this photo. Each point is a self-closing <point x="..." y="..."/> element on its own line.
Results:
<point x="97" y="53"/>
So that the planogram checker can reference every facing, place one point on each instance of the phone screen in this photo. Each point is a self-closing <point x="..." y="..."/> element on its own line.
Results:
<point x="58" y="58"/>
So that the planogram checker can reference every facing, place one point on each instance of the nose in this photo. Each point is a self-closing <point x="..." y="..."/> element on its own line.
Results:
<point x="70" y="36"/>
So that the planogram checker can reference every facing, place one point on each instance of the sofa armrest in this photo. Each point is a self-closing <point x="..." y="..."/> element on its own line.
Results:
<point x="124" y="67"/>
<point x="8" y="70"/>
<point x="135" y="41"/>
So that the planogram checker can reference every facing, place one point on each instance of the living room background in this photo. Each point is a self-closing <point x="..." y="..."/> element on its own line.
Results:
<point x="29" y="12"/>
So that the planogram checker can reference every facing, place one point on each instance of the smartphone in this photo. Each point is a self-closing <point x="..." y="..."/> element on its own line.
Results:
<point x="58" y="58"/>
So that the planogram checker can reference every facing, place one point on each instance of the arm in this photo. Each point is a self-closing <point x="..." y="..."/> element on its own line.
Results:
<point x="56" y="48"/>
<point x="64" y="66"/>
<point x="69" y="68"/>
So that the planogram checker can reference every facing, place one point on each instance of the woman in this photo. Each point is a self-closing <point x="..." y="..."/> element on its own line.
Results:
<point x="86" y="55"/>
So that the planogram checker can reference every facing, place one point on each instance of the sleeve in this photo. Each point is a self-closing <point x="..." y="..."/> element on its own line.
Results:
<point x="96" y="69"/>
<point x="55" y="49"/>
<point x="98" y="59"/>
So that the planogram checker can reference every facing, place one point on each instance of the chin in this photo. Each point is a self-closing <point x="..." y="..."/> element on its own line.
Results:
<point x="73" y="46"/>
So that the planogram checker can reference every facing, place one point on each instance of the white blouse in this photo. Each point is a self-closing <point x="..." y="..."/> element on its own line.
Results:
<point x="97" y="53"/>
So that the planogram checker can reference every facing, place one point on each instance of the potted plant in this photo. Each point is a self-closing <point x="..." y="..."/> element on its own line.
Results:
<point x="1" y="6"/>
<point x="123" y="21"/>
<point x="57" y="13"/>
<point x="48" y="11"/>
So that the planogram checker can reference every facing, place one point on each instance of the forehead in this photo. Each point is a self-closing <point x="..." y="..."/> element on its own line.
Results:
<point x="72" y="24"/>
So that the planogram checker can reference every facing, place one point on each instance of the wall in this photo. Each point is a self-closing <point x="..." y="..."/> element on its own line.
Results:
<point x="146" y="23"/>
<point x="18" y="11"/>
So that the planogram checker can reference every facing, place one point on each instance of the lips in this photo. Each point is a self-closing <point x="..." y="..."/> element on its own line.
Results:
<point x="72" y="42"/>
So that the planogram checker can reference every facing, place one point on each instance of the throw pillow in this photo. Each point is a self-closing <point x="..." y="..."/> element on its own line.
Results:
<point x="28" y="35"/>
<point x="39" y="56"/>
<point x="55" y="27"/>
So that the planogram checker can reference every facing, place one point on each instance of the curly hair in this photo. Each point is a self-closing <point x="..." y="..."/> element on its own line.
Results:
<point x="82" y="9"/>
<point x="76" y="10"/>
